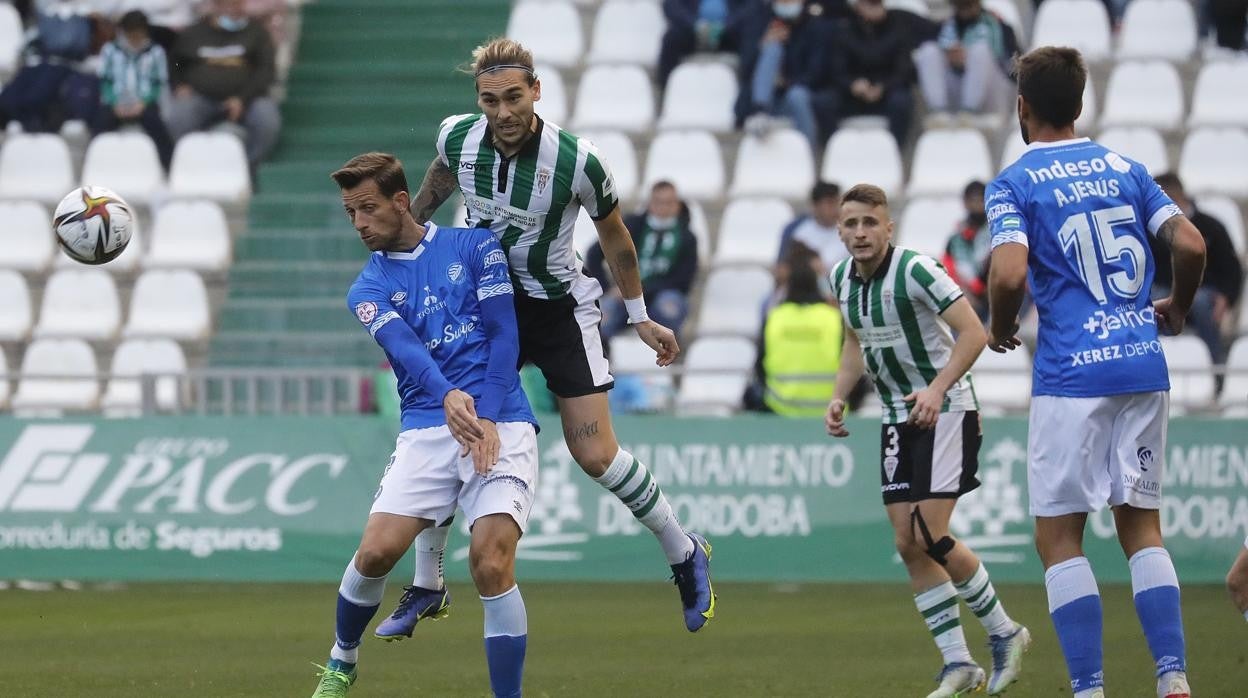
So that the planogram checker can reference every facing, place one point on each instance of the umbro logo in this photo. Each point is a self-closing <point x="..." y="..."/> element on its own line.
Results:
<point x="398" y="297"/>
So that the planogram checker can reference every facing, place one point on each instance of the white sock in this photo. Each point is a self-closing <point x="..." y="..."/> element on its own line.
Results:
<point x="939" y="608"/>
<point x="629" y="480"/>
<point x="430" y="546"/>
<point x="981" y="598"/>
<point x="365" y="592"/>
<point x="505" y="614"/>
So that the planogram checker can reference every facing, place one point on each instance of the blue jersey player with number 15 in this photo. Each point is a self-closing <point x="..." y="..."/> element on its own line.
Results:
<point x="1073" y="218"/>
<point x="439" y="302"/>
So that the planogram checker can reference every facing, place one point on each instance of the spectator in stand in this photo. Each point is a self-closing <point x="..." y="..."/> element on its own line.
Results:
<point x="52" y="85"/>
<point x="1224" y="275"/>
<point x="817" y="231"/>
<point x="698" y="25"/>
<point x="166" y="18"/>
<point x="667" y="256"/>
<point x="801" y="340"/>
<point x="871" y="67"/>
<point x="969" y="248"/>
<point x="134" y="77"/>
<point x="1230" y="21"/>
<point x="783" y="60"/>
<point x="968" y="67"/>
<point x="223" y="67"/>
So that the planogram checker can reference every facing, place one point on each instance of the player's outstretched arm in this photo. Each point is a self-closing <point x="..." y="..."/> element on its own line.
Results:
<point x="847" y="377"/>
<point x="437" y="187"/>
<point x="1007" y="284"/>
<point x="1187" y="255"/>
<point x="621" y="256"/>
<point x="966" y="349"/>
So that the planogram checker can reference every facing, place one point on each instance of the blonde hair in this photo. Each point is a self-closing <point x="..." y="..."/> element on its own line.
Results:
<point x="501" y="53"/>
<point x="868" y="194"/>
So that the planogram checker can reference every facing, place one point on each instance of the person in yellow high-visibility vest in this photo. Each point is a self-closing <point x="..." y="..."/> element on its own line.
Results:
<point x="801" y="345"/>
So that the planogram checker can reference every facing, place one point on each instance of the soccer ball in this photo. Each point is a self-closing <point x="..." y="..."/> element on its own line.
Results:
<point x="93" y="224"/>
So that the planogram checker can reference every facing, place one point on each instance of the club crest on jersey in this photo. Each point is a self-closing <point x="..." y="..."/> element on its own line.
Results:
<point x="398" y="297"/>
<point x="887" y="297"/>
<point x="543" y="178"/>
<point x="455" y="272"/>
<point x="890" y="467"/>
<point x="366" y="311"/>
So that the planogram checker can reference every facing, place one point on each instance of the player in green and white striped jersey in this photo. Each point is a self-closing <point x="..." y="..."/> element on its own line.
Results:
<point x="526" y="179"/>
<point x="899" y="307"/>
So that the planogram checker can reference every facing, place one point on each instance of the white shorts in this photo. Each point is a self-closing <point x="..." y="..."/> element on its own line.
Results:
<point x="1085" y="452"/>
<point x="427" y="478"/>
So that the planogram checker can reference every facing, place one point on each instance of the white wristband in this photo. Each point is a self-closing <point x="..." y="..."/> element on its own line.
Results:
<point x="636" y="308"/>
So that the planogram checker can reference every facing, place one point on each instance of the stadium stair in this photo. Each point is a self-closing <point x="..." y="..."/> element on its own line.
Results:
<point x="369" y="75"/>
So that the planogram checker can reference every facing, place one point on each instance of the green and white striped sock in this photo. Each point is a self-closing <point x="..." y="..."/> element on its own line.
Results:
<point x="630" y="481"/>
<point x="939" y="608"/>
<point x="982" y="599"/>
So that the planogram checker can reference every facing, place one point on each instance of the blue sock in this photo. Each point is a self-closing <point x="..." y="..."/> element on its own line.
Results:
<point x="358" y="599"/>
<point x="1075" y="606"/>
<point x="506" y="637"/>
<point x="1156" y="588"/>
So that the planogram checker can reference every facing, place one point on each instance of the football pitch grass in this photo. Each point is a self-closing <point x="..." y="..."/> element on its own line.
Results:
<point x="597" y="640"/>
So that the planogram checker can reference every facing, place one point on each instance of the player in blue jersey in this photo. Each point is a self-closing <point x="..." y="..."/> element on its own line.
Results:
<point x="439" y="302"/>
<point x="1072" y="218"/>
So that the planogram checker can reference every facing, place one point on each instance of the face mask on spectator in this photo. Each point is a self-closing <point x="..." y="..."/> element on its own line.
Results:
<point x="133" y="47"/>
<point x="787" y="10"/>
<point x="660" y="222"/>
<point x="232" y="24"/>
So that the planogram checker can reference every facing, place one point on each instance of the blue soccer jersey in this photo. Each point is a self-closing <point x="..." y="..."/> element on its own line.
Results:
<point x="1084" y="212"/>
<point x="438" y="290"/>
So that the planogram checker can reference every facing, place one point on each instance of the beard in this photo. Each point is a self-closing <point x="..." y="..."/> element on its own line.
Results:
<point x="1022" y="129"/>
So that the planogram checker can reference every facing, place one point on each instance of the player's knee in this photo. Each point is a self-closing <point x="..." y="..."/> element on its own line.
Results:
<point x="936" y="545"/>
<point x="491" y="568"/>
<point x="375" y="561"/>
<point x="907" y="547"/>
<point x="1237" y="582"/>
<point x="594" y="458"/>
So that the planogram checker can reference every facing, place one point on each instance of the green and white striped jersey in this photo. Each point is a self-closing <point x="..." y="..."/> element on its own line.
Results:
<point x="896" y="316"/>
<point x="530" y="201"/>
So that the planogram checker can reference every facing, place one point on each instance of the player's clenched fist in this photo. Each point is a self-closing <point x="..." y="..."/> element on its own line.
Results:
<point x="834" y="420"/>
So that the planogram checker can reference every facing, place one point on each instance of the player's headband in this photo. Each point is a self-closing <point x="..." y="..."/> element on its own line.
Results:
<point x="508" y="66"/>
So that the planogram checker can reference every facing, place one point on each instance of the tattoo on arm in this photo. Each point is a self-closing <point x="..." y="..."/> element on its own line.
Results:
<point x="1168" y="229"/>
<point x="582" y="432"/>
<point x="625" y="263"/>
<point x="437" y="187"/>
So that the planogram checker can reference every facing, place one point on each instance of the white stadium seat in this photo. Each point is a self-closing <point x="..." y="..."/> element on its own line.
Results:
<point x="732" y="301"/>
<point x="1164" y="29"/>
<point x="627" y="31"/>
<point x="699" y="95"/>
<point x="136" y="357"/>
<point x="1221" y="95"/>
<point x="1144" y="93"/>
<point x="15" y="312"/>
<point x="553" y="106"/>
<point x="1139" y="143"/>
<point x="614" y="97"/>
<point x="1212" y="161"/>
<point x="11" y="40"/>
<point x="5" y="380"/>
<point x="79" y="303"/>
<point x="946" y="159"/>
<point x="689" y="159"/>
<point x="26" y="236"/>
<point x="1003" y="381"/>
<point x="918" y="7"/>
<point x="551" y="30"/>
<point x="125" y="162"/>
<point x="717" y="370"/>
<point x="1228" y="214"/>
<point x="1081" y="24"/>
<point x="750" y="230"/>
<point x="1013" y="149"/>
<point x="1234" y="398"/>
<point x="190" y="235"/>
<point x="1191" y="372"/>
<point x="701" y="229"/>
<point x="36" y="166"/>
<point x="863" y="155"/>
<point x="631" y="355"/>
<point x="584" y="233"/>
<point x="927" y="223"/>
<point x="620" y="155"/>
<point x="169" y="304"/>
<point x="210" y="166"/>
<point x="778" y="164"/>
<point x="57" y="374"/>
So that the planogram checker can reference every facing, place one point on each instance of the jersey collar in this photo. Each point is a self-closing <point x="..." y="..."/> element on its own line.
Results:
<point x="430" y="230"/>
<point x="1038" y="145"/>
<point x="880" y="271"/>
